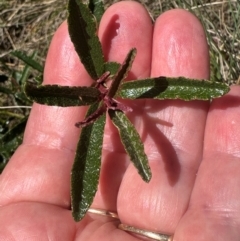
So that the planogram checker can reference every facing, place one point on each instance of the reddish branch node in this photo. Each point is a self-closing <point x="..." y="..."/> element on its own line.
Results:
<point x="107" y="102"/>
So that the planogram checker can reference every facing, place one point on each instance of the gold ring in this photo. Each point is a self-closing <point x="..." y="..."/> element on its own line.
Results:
<point x="103" y="212"/>
<point x="145" y="233"/>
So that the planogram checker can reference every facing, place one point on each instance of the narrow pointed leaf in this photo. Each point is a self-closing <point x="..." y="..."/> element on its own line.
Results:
<point x="62" y="95"/>
<point x="86" y="167"/>
<point x="97" y="9"/>
<point x="172" y="88"/>
<point x="29" y="60"/>
<point x="83" y="32"/>
<point x="132" y="143"/>
<point x="122" y="72"/>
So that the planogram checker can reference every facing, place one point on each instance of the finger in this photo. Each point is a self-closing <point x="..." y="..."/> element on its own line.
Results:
<point x="214" y="208"/>
<point x="27" y="221"/>
<point x="62" y="67"/>
<point x="40" y="168"/>
<point x="172" y="131"/>
<point x="121" y="28"/>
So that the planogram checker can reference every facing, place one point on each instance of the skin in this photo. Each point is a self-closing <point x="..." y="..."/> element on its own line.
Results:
<point x="193" y="147"/>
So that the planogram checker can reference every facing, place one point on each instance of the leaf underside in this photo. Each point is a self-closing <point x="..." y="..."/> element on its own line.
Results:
<point x="132" y="143"/>
<point x="172" y="88"/>
<point x="62" y="95"/>
<point x="86" y="167"/>
<point x="83" y="32"/>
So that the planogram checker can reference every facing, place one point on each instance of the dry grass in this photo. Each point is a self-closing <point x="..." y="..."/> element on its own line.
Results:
<point x="29" y="25"/>
<point x="221" y="20"/>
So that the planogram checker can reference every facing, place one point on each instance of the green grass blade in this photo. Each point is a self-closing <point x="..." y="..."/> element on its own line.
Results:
<point x="122" y="72"/>
<point x="28" y="60"/>
<point x="62" y="95"/>
<point x="5" y="90"/>
<point x="83" y="32"/>
<point x="86" y="167"/>
<point x="26" y="71"/>
<point x="172" y="88"/>
<point x="97" y="9"/>
<point x="132" y="143"/>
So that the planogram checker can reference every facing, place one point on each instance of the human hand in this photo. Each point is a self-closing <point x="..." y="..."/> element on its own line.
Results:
<point x="181" y="139"/>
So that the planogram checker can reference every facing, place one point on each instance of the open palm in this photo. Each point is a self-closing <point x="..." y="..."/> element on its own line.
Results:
<point x="193" y="147"/>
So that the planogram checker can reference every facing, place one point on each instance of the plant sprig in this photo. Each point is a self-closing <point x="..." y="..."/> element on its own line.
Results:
<point x="83" y="21"/>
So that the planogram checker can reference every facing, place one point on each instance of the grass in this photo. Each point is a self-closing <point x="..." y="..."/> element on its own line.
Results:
<point x="28" y="25"/>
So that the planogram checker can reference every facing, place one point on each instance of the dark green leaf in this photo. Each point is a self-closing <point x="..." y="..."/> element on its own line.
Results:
<point x="83" y="32"/>
<point x="97" y="9"/>
<point x="112" y="67"/>
<point x="122" y="72"/>
<point x="86" y="167"/>
<point x="62" y="95"/>
<point x="172" y="88"/>
<point x="28" y="60"/>
<point x="132" y="143"/>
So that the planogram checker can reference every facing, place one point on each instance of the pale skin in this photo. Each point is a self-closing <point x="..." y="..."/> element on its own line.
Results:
<point x="193" y="147"/>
